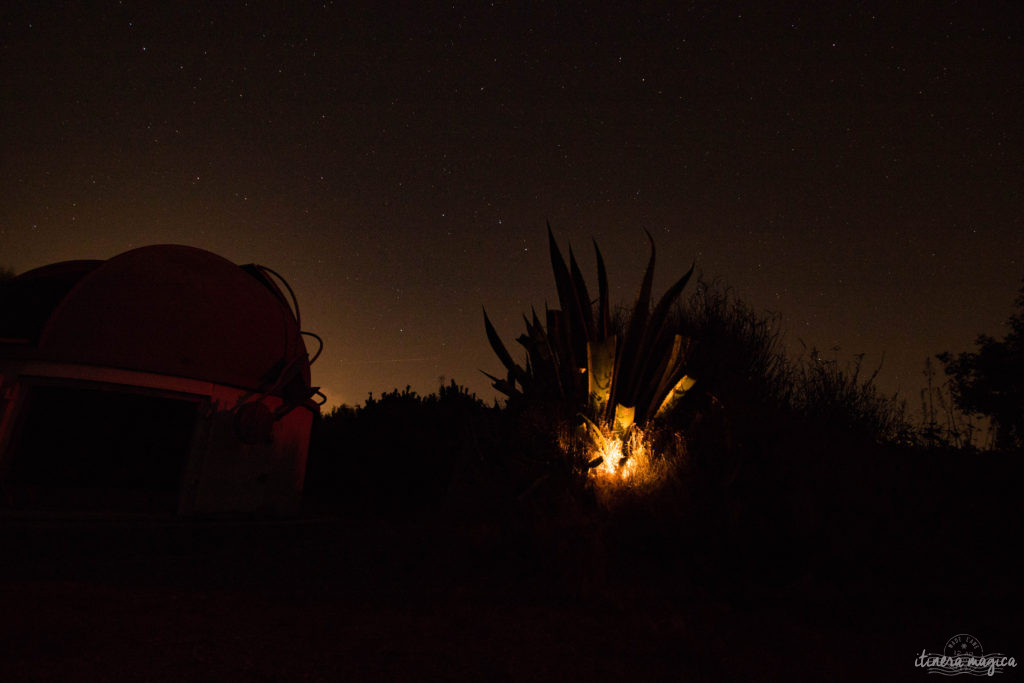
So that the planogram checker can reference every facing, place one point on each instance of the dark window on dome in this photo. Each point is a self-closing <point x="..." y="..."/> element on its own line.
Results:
<point x="85" y="448"/>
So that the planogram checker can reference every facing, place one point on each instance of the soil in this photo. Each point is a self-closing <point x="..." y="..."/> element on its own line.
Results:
<point x="328" y="599"/>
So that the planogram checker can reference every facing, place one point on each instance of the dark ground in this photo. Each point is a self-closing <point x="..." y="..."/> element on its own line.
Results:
<point x="323" y="598"/>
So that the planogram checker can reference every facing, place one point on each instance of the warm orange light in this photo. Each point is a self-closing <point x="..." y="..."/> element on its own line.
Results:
<point x="625" y="462"/>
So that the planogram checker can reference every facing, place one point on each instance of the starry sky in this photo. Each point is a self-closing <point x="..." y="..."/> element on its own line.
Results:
<point x="855" y="168"/>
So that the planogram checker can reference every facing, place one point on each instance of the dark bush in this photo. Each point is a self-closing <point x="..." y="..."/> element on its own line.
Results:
<point x="990" y="381"/>
<point x="394" y="455"/>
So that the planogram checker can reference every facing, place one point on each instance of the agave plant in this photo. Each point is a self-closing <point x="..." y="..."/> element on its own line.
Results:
<point x="613" y="380"/>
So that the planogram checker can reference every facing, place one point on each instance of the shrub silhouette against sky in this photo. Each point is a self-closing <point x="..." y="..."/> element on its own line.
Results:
<point x="990" y="381"/>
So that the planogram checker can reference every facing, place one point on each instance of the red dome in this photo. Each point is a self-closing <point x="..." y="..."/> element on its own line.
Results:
<point x="175" y="310"/>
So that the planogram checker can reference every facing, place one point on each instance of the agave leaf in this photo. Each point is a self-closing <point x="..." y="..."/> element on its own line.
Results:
<point x="684" y="384"/>
<point x="655" y="324"/>
<point x="536" y="331"/>
<point x="561" y="351"/>
<point x="553" y="323"/>
<point x="507" y="388"/>
<point x="629" y="361"/>
<point x="624" y="417"/>
<point x="604" y="314"/>
<point x="601" y="363"/>
<point x="544" y="363"/>
<point x="664" y="376"/>
<point x="667" y="299"/>
<point x="536" y="344"/>
<point x="567" y="296"/>
<point x="668" y="372"/>
<point x="643" y="299"/>
<point x="532" y="337"/>
<point x="502" y="352"/>
<point x="558" y="337"/>
<point x="582" y="296"/>
<point x="572" y="302"/>
<point x="527" y="343"/>
<point x="594" y="433"/>
<point x="529" y="326"/>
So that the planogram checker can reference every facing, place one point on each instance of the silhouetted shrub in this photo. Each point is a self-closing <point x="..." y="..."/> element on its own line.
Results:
<point x="990" y="381"/>
<point x="740" y="359"/>
<point x="944" y="425"/>
<point x="837" y="396"/>
<point x="392" y="455"/>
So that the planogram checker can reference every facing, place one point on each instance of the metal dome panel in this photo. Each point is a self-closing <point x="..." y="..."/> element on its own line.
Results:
<point x="176" y="310"/>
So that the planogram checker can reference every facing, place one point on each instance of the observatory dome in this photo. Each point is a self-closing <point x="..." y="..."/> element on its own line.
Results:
<point x="167" y="309"/>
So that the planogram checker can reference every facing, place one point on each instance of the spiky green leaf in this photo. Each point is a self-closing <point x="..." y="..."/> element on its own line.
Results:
<point x="630" y="361"/>
<point x="582" y="296"/>
<point x="603" y="305"/>
<point x="503" y="386"/>
<point x="601" y="369"/>
<point x="502" y="353"/>
<point x="647" y="373"/>
<point x="667" y="374"/>
<point x="684" y="384"/>
<point x="567" y="297"/>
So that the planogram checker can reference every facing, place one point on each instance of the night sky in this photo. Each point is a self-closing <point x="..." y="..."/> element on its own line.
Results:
<point x="857" y="170"/>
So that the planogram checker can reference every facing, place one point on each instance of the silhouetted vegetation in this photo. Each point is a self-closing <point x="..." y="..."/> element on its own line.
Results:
<point x="394" y="455"/>
<point x="990" y="381"/>
<point x="6" y="274"/>
<point x="739" y="358"/>
<point x="944" y="425"/>
<point x="782" y="467"/>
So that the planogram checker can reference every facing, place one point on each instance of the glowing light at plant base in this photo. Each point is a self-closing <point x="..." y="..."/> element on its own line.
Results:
<point x="613" y="463"/>
<point x="626" y="461"/>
